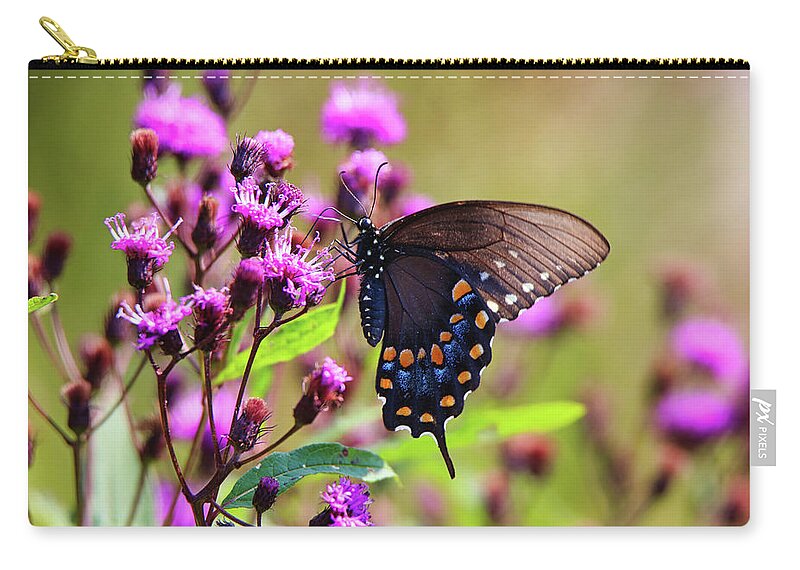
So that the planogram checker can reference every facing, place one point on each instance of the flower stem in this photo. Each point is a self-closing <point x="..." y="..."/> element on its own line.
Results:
<point x="235" y="519"/>
<point x="80" y="498"/>
<point x="96" y="425"/>
<point x="169" y="222"/>
<point x="67" y="439"/>
<point x="212" y="425"/>
<point x="198" y="434"/>
<point x="45" y="343"/>
<point x="63" y="346"/>
<point x="293" y="430"/>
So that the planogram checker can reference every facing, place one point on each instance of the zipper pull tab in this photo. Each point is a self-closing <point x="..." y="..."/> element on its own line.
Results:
<point x="72" y="53"/>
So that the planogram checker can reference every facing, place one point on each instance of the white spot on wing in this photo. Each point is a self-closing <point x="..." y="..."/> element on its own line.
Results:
<point x="511" y="299"/>
<point x="544" y="275"/>
<point x="492" y="305"/>
<point x="484" y="276"/>
<point x="513" y="253"/>
<point x="428" y="433"/>
<point x="527" y="287"/>
<point x="499" y="264"/>
<point x="382" y="400"/>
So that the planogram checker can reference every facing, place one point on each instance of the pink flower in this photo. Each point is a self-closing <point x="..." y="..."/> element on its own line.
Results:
<point x="362" y="114"/>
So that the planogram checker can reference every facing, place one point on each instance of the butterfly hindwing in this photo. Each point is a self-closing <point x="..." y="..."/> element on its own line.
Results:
<point x="437" y="342"/>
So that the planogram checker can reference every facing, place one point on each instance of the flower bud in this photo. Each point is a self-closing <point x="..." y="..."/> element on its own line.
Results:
<point x="496" y="497"/>
<point x="248" y="157"/>
<point x="34" y="206"/>
<point x="247" y="278"/>
<point x="55" y="255"/>
<point x="323" y="388"/>
<point x="153" y="445"/>
<point x="115" y="330"/>
<point x="530" y="453"/>
<point x="144" y="156"/>
<point x="211" y="309"/>
<point x="97" y="356"/>
<point x="218" y="87"/>
<point x="76" y="396"/>
<point x="34" y="276"/>
<point x="247" y="428"/>
<point x="265" y="494"/>
<point x="205" y="233"/>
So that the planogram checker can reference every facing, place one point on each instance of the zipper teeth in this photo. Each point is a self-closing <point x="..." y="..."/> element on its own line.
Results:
<point x="393" y="63"/>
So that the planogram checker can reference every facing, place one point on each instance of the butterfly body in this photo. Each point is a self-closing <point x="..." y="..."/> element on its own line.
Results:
<point x="435" y="284"/>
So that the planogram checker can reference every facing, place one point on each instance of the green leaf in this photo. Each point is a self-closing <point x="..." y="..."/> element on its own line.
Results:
<point x="260" y="382"/>
<point x="36" y="303"/>
<point x="492" y="425"/>
<point x="289" y="341"/>
<point x="44" y="510"/>
<point x="289" y="467"/>
<point x="115" y="469"/>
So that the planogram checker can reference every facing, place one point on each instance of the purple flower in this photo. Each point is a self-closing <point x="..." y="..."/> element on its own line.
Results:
<point x="159" y="326"/>
<point x="323" y="388"/>
<point x="693" y="416"/>
<point x="185" y="125"/>
<point x="278" y="147"/>
<point x="146" y="251"/>
<point x="545" y="318"/>
<point x="247" y="427"/>
<point x="713" y="345"/>
<point x="413" y="203"/>
<point x="348" y="504"/>
<point x="187" y="409"/>
<point x="293" y="280"/>
<point x="265" y="494"/>
<point x="258" y="218"/>
<point x="358" y="173"/>
<point x="211" y="309"/>
<point x="362" y="114"/>
<point x="182" y="515"/>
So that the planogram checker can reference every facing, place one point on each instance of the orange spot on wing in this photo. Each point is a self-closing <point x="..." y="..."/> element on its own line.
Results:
<point x="456" y="318"/>
<point x="406" y="358"/>
<point x="460" y="289"/>
<point x="481" y="319"/>
<point x="421" y="354"/>
<point x="386" y="383"/>
<point x="476" y="351"/>
<point x="389" y="353"/>
<point x="464" y="377"/>
<point x="437" y="356"/>
<point x="447" y="402"/>
<point x="404" y="411"/>
<point x="426" y="418"/>
<point x="445" y="336"/>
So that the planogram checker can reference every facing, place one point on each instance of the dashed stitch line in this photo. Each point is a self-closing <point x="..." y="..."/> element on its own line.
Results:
<point x="395" y="77"/>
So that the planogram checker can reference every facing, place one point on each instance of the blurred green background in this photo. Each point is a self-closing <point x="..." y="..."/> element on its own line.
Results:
<point x="659" y="166"/>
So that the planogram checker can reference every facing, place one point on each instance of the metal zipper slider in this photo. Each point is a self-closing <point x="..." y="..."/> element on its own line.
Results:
<point x="72" y="53"/>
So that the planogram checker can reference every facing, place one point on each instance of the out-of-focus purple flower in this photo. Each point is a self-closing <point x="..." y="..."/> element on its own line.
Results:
<point x="76" y="395"/>
<point x="693" y="415"/>
<point x="529" y="452"/>
<point x="187" y="409"/>
<point x="182" y="515"/>
<point x="146" y="251"/>
<point x="159" y="326"/>
<point x="413" y="203"/>
<point x="55" y="254"/>
<point x="545" y="318"/>
<point x="211" y="308"/>
<point x="278" y="147"/>
<point x="348" y="504"/>
<point x="713" y="345"/>
<point x="292" y="279"/>
<point x="323" y="388"/>
<point x="185" y="125"/>
<point x="358" y="173"/>
<point x="362" y="114"/>
<point x="316" y="205"/>
<point x="218" y="86"/>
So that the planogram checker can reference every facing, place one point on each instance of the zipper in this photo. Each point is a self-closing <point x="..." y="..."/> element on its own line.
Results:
<point x="80" y="57"/>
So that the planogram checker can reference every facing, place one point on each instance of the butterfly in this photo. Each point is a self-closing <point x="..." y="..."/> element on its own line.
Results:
<point x="435" y="284"/>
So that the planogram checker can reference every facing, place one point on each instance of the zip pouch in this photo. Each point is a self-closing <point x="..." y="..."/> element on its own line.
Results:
<point x="229" y="260"/>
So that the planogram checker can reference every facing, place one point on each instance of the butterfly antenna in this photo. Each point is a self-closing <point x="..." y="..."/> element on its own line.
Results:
<point x="440" y="439"/>
<point x="375" y="189"/>
<point x="346" y="187"/>
<point x="321" y="217"/>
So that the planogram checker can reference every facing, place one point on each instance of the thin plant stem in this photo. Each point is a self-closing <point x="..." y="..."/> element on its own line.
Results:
<point x="62" y="345"/>
<point x="293" y="430"/>
<point x="137" y="497"/>
<point x="67" y="439"/>
<point x="209" y="406"/>
<point x="234" y="518"/>
<point x="47" y="347"/>
<point x="257" y="339"/>
<point x="198" y="434"/>
<point x="96" y="425"/>
<point x="80" y="497"/>
<point x="258" y="518"/>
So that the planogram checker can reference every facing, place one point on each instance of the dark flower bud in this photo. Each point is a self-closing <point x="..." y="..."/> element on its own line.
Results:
<point x="247" y="428"/>
<point x="55" y="255"/>
<point x="248" y="158"/>
<point x="211" y="309"/>
<point x="144" y="156"/>
<point x="736" y="510"/>
<point x="116" y="330"/>
<point x="34" y="206"/>
<point x="265" y="494"/>
<point x="217" y="85"/>
<point x="672" y="461"/>
<point x="681" y="284"/>
<point x="31" y="444"/>
<point x="496" y="498"/>
<point x="153" y="445"/>
<point x="205" y="233"/>
<point x="34" y="276"/>
<point x="156" y="81"/>
<point x="76" y="395"/>
<point x="177" y="205"/>
<point x="392" y="181"/>
<point x="529" y="453"/>
<point x="322" y="389"/>
<point x="247" y="278"/>
<point x="97" y="356"/>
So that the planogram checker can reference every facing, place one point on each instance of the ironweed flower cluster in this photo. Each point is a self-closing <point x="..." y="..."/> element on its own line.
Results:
<point x="348" y="505"/>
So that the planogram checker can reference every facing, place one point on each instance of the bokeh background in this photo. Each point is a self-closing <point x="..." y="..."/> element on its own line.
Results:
<point x="660" y="166"/>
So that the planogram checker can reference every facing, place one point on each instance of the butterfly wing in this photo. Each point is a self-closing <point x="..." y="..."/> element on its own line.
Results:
<point x="513" y="253"/>
<point x="437" y="342"/>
